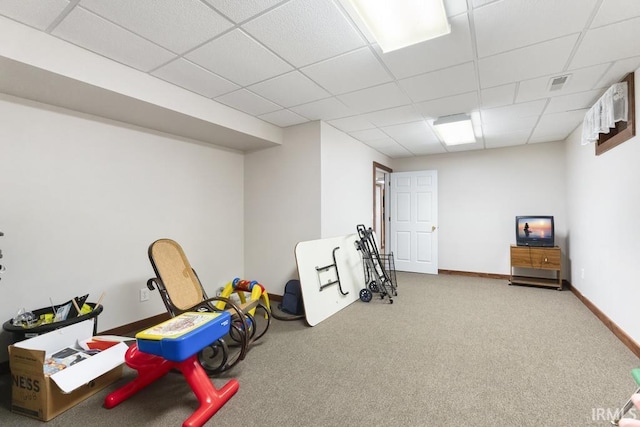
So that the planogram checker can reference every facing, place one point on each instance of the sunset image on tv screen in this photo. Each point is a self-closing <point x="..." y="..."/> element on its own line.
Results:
<point x="535" y="228"/>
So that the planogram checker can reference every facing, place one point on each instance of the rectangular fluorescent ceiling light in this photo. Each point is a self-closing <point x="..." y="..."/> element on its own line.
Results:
<point x="400" y="23"/>
<point x="455" y="130"/>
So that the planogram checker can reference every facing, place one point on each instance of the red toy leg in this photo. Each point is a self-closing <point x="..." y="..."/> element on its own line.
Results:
<point x="149" y="367"/>
<point x="211" y="399"/>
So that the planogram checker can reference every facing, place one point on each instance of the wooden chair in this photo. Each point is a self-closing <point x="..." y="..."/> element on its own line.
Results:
<point x="181" y="291"/>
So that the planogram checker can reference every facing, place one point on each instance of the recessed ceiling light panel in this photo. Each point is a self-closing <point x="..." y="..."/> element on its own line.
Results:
<point x="399" y="23"/>
<point x="456" y="129"/>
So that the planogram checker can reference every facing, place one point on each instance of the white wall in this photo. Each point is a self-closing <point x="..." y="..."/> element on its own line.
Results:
<point x="282" y="205"/>
<point x="481" y="192"/>
<point x="347" y="182"/>
<point x="82" y="199"/>
<point x="317" y="184"/>
<point x="603" y="198"/>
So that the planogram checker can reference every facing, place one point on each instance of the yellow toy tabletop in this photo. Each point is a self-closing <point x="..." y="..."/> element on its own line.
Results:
<point x="177" y="326"/>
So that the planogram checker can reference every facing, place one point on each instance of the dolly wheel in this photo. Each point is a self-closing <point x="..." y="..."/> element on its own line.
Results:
<point x="365" y="295"/>
<point x="373" y="287"/>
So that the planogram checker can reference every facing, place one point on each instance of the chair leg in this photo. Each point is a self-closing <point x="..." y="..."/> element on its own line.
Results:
<point x="627" y="406"/>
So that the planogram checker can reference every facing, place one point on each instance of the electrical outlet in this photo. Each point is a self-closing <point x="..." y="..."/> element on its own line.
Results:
<point x="144" y="294"/>
<point x="582" y="273"/>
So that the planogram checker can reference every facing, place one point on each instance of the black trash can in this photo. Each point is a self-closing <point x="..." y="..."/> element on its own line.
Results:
<point x="21" y="333"/>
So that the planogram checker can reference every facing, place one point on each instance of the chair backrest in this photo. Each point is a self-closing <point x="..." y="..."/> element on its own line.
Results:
<point x="174" y="271"/>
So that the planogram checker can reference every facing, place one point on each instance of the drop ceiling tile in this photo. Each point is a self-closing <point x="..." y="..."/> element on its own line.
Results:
<point x="608" y="43"/>
<point x="92" y="32"/>
<point x="305" y="31"/>
<point x="566" y="121"/>
<point x="427" y="150"/>
<point x="618" y="70"/>
<point x="557" y="126"/>
<point x="382" y="142"/>
<point x="463" y="103"/>
<point x="389" y="148"/>
<point x="579" y="81"/>
<point x="480" y="3"/>
<point x="420" y="147"/>
<point x="351" y="124"/>
<point x="248" y="102"/>
<point x="549" y="136"/>
<point x="375" y="98"/>
<point x="616" y="10"/>
<point x="245" y="60"/>
<point x="398" y="153"/>
<point x="509" y="125"/>
<point x="324" y="109"/>
<point x="35" y="13"/>
<point x="352" y="14"/>
<point x="525" y="109"/>
<point x="455" y="7"/>
<point x="410" y="134"/>
<point x="289" y="89"/>
<point x="283" y="118"/>
<point x="506" y="139"/>
<point x="525" y="22"/>
<point x="369" y="135"/>
<point x="575" y="101"/>
<point x="439" y="84"/>
<point x="478" y="145"/>
<point x="498" y="96"/>
<point x="533" y="61"/>
<point x="175" y="25"/>
<point x="435" y="54"/>
<point x="194" y="78"/>
<point x="517" y="116"/>
<point x="348" y="72"/>
<point x="393" y="116"/>
<point x="543" y="138"/>
<point x="239" y="11"/>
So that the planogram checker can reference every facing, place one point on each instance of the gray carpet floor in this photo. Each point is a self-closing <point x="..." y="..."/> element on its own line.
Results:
<point x="450" y="351"/>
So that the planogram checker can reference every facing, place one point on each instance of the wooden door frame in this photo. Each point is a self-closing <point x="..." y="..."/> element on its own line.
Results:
<point x="379" y="167"/>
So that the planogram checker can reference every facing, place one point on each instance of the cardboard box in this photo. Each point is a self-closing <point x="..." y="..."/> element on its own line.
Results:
<point x="38" y="396"/>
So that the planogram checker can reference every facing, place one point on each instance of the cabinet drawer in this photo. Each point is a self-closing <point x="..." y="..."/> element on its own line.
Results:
<point x="532" y="257"/>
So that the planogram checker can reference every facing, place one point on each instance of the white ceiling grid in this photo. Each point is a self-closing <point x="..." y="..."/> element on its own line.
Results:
<point x="292" y="61"/>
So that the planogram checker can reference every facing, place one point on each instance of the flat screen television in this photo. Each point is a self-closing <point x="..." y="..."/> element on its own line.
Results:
<point x="535" y="230"/>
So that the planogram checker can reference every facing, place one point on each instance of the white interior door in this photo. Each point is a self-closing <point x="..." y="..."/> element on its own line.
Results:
<point x="413" y="221"/>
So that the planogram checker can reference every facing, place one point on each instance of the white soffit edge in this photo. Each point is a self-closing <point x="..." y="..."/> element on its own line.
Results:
<point x="47" y="54"/>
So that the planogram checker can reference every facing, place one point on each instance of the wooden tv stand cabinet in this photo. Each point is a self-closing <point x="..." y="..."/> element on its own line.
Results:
<point x="538" y="258"/>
